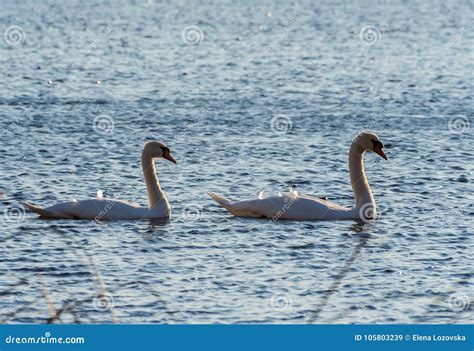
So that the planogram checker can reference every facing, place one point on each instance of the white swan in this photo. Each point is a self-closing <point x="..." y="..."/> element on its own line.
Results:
<point x="110" y="209"/>
<point x="306" y="207"/>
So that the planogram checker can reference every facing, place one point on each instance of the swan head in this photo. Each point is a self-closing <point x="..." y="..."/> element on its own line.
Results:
<point x="370" y="142"/>
<point x="155" y="149"/>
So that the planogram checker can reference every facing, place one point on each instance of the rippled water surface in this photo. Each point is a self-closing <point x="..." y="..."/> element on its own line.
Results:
<point x="255" y="95"/>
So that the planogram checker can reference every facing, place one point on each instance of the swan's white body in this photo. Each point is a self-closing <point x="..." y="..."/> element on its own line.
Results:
<point x="306" y="207"/>
<point x="111" y="209"/>
<point x="287" y="206"/>
<point x="101" y="209"/>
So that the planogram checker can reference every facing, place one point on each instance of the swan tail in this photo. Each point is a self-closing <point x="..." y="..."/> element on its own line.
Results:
<point x="237" y="209"/>
<point x="224" y="203"/>
<point x="44" y="212"/>
<point x="219" y="199"/>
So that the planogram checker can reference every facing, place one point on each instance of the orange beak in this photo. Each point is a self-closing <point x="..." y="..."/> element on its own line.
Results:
<point x="168" y="156"/>
<point x="378" y="150"/>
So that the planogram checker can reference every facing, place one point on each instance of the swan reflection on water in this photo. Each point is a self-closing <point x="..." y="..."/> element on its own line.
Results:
<point x="360" y="228"/>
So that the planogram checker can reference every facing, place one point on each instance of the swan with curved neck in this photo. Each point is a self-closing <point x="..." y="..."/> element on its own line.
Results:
<point x="306" y="207"/>
<point x="111" y="209"/>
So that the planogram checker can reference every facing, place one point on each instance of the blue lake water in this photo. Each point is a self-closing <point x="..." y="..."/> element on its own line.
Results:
<point x="248" y="96"/>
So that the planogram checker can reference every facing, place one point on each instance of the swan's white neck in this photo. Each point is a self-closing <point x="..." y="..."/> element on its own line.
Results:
<point x="155" y="194"/>
<point x="360" y="186"/>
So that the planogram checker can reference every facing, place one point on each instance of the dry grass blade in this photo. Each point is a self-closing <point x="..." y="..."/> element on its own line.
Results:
<point x="102" y="294"/>
<point x="52" y="309"/>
